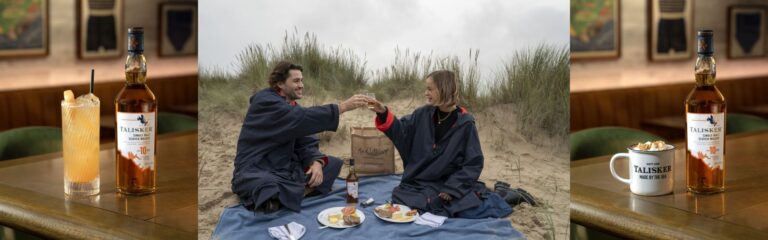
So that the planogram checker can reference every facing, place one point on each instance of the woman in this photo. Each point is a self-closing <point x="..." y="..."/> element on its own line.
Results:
<point x="441" y="154"/>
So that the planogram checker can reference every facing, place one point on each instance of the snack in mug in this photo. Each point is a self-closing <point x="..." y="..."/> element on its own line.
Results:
<point x="651" y="146"/>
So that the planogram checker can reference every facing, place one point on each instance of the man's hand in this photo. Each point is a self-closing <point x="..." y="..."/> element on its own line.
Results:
<point x="352" y="103"/>
<point x="445" y="196"/>
<point x="315" y="174"/>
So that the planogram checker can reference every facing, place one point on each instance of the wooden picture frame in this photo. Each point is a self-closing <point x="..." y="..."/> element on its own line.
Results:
<point x="746" y="31"/>
<point x="177" y="31"/>
<point x="595" y="29"/>
<point x="26" y="28"/>
<point x="100" y="29"/>
<point x="670" y="30"/>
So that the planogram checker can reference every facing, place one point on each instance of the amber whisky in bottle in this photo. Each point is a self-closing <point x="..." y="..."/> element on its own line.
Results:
<point x="352" y="183"/>
<point x="705" y="110"/>
<point x="135" y="123"/>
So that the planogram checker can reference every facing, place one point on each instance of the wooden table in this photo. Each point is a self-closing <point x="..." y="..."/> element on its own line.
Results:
<point x="32" y="197"/>
<point x="599" y="201"/>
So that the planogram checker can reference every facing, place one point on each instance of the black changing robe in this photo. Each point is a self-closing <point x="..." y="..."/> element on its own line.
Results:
<point x="275" y="147"/>
<point x="451" y="164"/>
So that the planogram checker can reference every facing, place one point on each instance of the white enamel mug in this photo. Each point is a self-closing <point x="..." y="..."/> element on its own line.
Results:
<point x="651" y="173"/>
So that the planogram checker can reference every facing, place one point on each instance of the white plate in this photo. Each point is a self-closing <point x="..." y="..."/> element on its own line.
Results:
<point x="323" y="217"/>
<point x="403" y="209"/>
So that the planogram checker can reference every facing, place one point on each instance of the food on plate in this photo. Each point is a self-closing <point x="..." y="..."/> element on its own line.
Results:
<point x="383" y="212"/>
<point x="387" y="210"/>
<point x="413" y="212"/>
<point x="348" y="210"/>
<point x="392" y="211"/>
<point x="351" y="219"/>
<point x="350" y="216"/>
<point x="334" y="218"/>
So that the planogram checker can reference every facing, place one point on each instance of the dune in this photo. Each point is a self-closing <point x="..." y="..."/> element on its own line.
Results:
<point x="539" y="164"/>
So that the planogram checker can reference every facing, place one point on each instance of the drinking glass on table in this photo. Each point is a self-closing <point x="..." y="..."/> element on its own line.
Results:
<point x="80" y="133"/>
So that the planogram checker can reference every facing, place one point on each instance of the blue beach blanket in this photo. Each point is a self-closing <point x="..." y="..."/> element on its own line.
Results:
<point x="238" y="223"/>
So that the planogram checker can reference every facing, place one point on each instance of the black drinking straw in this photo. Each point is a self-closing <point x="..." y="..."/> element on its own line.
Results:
<point x="91" y="81"/>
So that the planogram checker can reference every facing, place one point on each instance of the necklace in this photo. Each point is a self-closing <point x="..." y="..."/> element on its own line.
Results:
<point x="441" y="119"/>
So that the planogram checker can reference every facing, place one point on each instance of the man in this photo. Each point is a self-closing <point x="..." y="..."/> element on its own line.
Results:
<point x="278" y="161"/>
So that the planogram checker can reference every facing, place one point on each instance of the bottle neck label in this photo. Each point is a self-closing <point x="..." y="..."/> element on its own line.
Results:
<point x="705" y="46"/>
<point x="136" y="43"/>
<point x="706" y="137"/>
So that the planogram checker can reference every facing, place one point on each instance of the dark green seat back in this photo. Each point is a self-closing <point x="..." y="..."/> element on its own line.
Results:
<point x="174" y="122"/>
<point x="739" y="123"/>
<point x="606" y="140"/>
<point x="28" y="141"/>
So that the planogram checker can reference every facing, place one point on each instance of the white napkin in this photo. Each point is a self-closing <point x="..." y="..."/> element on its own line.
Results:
<point x="279" y="232"/>
<point x="430" y="219"/>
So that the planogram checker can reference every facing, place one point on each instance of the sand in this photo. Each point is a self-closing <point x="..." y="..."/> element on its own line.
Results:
<point x="539" y="165"/>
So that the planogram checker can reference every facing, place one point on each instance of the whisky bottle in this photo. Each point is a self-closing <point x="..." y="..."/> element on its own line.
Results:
<point x="705" y="111"/>
<point x="352" y="183"/>
<point x="135" y="123"/>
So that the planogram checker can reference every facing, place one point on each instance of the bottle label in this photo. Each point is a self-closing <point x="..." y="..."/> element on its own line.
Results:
<point x="706" y="137"/>
<point x="136" y="138"/>
<point x="136" y="41"/>
<point x="352" y="189"/>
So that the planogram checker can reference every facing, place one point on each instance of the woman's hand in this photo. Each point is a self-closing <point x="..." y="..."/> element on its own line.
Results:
<point x="378" y="107"/>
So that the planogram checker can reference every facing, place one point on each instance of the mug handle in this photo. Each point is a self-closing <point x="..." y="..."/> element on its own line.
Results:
<point x="613" y="171"/>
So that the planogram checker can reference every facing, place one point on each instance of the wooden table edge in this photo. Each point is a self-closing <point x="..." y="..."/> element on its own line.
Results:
<point x="20" y="212"/>
<point x="71" y="220"/>
<point x="587" y="211"/>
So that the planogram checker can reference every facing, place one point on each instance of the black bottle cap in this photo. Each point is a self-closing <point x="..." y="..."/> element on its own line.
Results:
<point x="136" y="39"/>
<point x="705" y="44"/>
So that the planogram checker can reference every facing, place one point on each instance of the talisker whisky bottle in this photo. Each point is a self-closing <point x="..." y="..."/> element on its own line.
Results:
<point x="352" y="184"/>
<point x="135" y="122"/>
<point x="705" y="125"/>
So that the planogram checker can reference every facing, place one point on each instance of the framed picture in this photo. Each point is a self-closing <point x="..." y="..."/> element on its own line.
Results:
<point x="670" y="30"/>
<point x="746" y="31"/>
<point x="100" y="30"/>
<point x="24" y="28"/>
<point x="595" y="29"/>
<point x="178" y="29"/>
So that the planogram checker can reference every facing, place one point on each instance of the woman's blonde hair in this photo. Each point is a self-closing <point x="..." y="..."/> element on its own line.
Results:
<point x="447" y="85"/>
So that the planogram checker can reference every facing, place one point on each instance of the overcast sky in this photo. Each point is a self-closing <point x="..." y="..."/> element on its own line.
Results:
<point x="374" y="28"/>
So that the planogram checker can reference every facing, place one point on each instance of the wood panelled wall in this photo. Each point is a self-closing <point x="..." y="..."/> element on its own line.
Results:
<point x="629" y="107"/>
<point x="42" y="107"/>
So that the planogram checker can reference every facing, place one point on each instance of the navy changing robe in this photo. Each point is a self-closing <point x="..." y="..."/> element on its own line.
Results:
<point x="275" y="147"/>
<point x="451" y="164"/>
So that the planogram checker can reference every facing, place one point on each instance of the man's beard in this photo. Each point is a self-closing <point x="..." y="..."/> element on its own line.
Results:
<point x="292" y="95"/>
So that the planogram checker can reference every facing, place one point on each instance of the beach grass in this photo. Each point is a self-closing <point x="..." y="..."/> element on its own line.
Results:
<point x="534" y="80"/>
